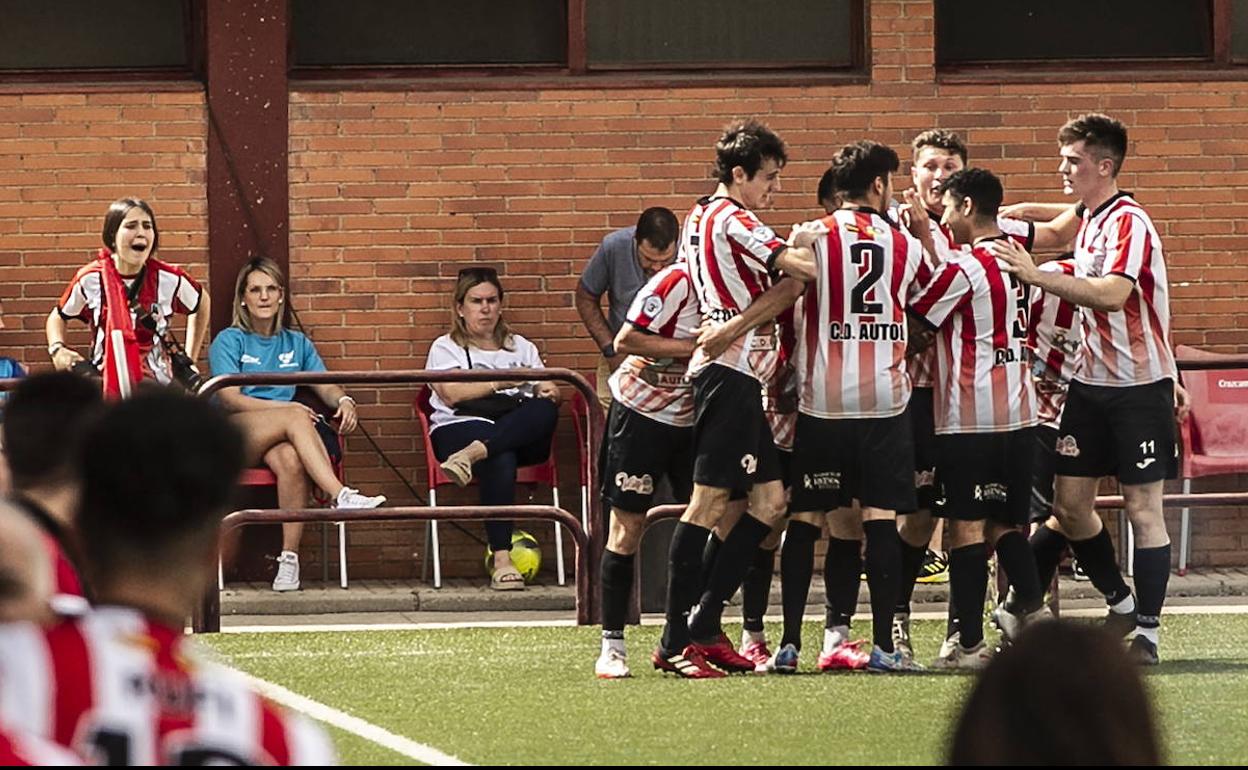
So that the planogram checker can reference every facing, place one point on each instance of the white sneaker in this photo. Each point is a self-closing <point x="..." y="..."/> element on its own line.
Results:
<point x="351" y="498"/>
<point x="612" y="664"/>
<point x="287" y="572"/>
<point x="958" y="658"/>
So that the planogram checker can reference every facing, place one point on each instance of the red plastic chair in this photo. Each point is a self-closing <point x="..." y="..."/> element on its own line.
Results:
<point x="1215" y="435"/>
<point x="544" y="473"/>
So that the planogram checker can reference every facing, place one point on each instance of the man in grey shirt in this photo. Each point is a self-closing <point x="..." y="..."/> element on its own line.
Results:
<point x="623" y="263"/>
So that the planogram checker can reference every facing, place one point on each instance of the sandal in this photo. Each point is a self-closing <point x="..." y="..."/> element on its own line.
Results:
<point x="507" y="579"/>
<point x="458" y="468"/>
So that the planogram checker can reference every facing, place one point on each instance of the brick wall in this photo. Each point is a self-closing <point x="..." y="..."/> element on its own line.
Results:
<point x="391" y="191"/>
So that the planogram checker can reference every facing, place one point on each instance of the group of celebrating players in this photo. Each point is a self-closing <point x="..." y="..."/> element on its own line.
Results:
<point x="884" y="367"/>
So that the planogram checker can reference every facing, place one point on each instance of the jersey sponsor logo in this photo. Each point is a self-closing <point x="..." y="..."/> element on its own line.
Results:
<point x="248" y="359"/>
<point x="1067" y="446"/>
<point x="651" y="305"/>
<point x="642" y="485"/>
<point x="822" y="480"/>
<point x="1147" y="461"/>
<point x="763" y="342"/>
<point x="721" y="315"/>
<point x="1003" y="356"/>
<point x="286" y="360"/>
<point x="763" y="233"/>
<point x="873" y="332"/>
<point x="749" y="463"/>
<point x="991" y="492"/>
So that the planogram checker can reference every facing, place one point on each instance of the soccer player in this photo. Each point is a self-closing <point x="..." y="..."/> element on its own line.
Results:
<point x="853" y="439"/>
<point x="985" y="411"/>
<point x="937" y="155"/>
<point x="121" y="684"/>
<point x="649" y="436"/>
<point x="45" y="420"/>
<point x="1119" y="417"/>
<point x="730" y="255"/>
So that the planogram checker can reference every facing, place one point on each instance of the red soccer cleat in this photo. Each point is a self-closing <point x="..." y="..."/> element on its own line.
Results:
<point x="847" y="656"/>
<point x="688" y="664"/>
<point x="724" y="656"/>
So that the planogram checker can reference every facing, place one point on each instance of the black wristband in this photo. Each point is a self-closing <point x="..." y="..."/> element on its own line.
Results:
<point x="608" y="350"/>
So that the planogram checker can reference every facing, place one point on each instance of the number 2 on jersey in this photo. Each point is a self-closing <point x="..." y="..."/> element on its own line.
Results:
<point x="873" y="255"/>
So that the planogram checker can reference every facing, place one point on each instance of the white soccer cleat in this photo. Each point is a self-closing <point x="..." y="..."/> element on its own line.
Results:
<point x="955" y="657"/>
<point x="612" y="664"/>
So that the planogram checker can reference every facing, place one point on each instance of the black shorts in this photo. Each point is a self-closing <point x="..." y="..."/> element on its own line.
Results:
<point x="835" y="462"/>
<point x="923" y="428"/>
<point x="786" y="464"/>
<point x="1124" y="432"/>
<point x="1043" y="467"/>
<point x="637" y="453"/>
<point x="985" y="476"/>
<point x="732" y="440"/>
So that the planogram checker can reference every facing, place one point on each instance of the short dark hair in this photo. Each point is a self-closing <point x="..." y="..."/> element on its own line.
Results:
<point x="1101" y="134"/>
<point x="943" y="139"/>
<point x="827" y="189"/>
<point x="44" y="421"/>
<point x="857" y="165"/>
<point x="747" y="144"/>
<point x="1085" y="704"/>
<point x="658" y="226"/>
<point x="978" y="184"/>
<point x="117" y="212"/>
<point x="159" y="472"/>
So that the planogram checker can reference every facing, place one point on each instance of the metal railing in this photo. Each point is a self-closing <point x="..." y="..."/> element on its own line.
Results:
<point x="589" y="540"/>
<point x="208" y="617"/>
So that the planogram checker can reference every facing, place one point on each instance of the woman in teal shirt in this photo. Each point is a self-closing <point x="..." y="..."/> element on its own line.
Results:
<point x="289" y="437"/>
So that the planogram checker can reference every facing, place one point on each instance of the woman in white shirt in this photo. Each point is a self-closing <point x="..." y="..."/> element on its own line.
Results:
<point x="488" y="429"/>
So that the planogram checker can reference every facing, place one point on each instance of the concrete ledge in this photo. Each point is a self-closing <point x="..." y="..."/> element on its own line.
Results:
<point x="476" y="595"/>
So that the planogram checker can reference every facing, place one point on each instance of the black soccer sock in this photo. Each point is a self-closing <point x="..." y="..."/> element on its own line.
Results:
<point x="911" y="563"/>
<point x="709" y="554"/>
<point x="968" y="586"/>
<point x="1096" y="556"/>
<point x="683" y="578"/>
<point x="842" y="579"/>
<point x="735" y="555"/>
<point x="797" y="565"/>
<point x="1152" y="575"/>
<point x="883" y="578"/>
<point x="1016" y="557"/>
<point x="1048" y="546"/>
<point x="756" y="590"/>
<point x="617" y="584"/>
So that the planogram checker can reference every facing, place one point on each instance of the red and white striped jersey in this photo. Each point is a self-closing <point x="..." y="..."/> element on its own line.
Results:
<point x="780" y="395"/>
<point x="165" y="286"/>
<point x="851" y="341"/>
<point x="922" y="365"/>
<point x="658" y="388"/>
<point x="730" y="254"/>
<point x="1129" y="346"/>
<point x="1055" y="336"/>
<point x="983" y="380"/>
<point x="21" y="750"/>
<point x="120" y="688"/>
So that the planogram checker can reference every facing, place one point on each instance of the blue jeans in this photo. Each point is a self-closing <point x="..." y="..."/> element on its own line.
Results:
<point x="520" y="437"/>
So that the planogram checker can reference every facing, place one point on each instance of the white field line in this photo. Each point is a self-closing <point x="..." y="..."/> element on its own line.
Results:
<point x="1086" y="612"/>
<point x="354" y="725"/>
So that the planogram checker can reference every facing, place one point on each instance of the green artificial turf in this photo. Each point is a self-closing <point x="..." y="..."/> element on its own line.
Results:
<point x="528" y="696"/>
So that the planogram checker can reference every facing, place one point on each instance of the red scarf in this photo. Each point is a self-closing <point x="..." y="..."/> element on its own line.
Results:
<point x="122" y="363"/>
